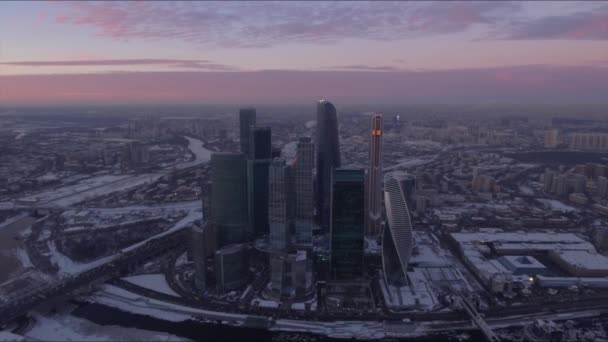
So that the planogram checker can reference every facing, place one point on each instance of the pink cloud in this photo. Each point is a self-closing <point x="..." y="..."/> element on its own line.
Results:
<point x="178" y="63"/>
<point x="521" y="84"/>
<point x="258" y="24"/>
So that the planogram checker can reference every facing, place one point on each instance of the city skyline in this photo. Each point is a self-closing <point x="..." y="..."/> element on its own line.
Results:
<point x="155" y="52"/>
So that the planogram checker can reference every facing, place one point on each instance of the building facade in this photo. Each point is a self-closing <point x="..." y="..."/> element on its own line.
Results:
<point x="397" y="240"/>
<point x="247" y="117"/>
<point x="231" y="267"/>
<point x="304" y="192"/>
<point x="347" y="227"/>
<point x="280" y="204"/>
<point x="260" y="157"/>
<point x="374" y="178"/>
<point x="229" y="197"/>
<point x="328" y="158"/>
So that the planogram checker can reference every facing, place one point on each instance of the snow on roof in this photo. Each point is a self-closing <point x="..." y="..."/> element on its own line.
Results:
<point x="583" y="259"/>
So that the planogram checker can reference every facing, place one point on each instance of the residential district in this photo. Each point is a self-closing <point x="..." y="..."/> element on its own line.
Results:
<point x="456" y="223"/>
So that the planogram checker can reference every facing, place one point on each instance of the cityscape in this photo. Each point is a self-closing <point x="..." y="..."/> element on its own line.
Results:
<point x="330" y="217"/>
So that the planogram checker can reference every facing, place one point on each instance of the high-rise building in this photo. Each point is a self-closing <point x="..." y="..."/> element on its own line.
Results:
<point x="304" y="192"/>
<point x="278" y="281"/>
<point x="289" y="276"/>
<point x="280" y="204"/>
<point x="397" y="240"/>
<point x="347" y="227"/>
<point x="246" y="120"/>
<point x="198" y="251"/>
<point x="374" y="177"/>
<point x="231" y="267"/>
<point x="257" y="176"/>
<point x="589" y="141"/>
<point x="229" y="197"/>
<point x="328" y="157"/>
<point x="551" y="138"/>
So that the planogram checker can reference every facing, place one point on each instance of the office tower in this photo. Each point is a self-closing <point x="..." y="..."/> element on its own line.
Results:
<point x="299" y="270"/>
<point x="246" y="120"/>
<point x="328" y="157"/>
<point x="374" y="177"/>
<point x="257" y="176"/>
<point x="304" y="191"/>
<point x="277" y="275"/>
<point x="231" y="267"/>
<point x="280" y="204"/>
<point x="397" y="240"/>
<point x="347" y="227"/>
<point x="137" y="154"/>
<point x="288" y="275"/>
<point x="229" y="197"/>
<point x="198" y="250"/>
<point x="548" y="180"/>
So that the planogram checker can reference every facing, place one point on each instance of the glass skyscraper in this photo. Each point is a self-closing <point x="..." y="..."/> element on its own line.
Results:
<point x="229" y="197"/>
<point x="347" y="227"/>
<point x="374" y="178"/>
<point x="280" y="204"/>
<point x="257" y="179"/>
<point x="246" y="120"/>
<point x="304" y="192"/>
<point x="328" y="157"/>
<point x="397" y="240"/>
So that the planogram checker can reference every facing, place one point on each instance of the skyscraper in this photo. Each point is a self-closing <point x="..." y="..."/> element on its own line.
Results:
<point x="231" y="267"/>
<point x="246" y="120"/>
<point x="280" y="204"/>
<point x="229" y="197"/>
<point x="257" y="179"/>
<point x="328" y="157"/>
<point x="397" y="240"/>
<point x="374" y="177"/>
<point x="347" y="224"/>
<point x="304" y="191"/>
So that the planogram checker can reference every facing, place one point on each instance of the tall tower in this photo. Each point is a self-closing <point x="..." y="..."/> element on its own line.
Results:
<point x="397" y="240"/>
<point x="246" y="120"/>
<point x="229" y="197"/>
<point x="328" y="157"/>
<point x="260" y="157"/>
<point x="374" y="178"/>
<point x="280" y="204"/>
<point x="304" y="191"/>
<point x="347" y="224"/>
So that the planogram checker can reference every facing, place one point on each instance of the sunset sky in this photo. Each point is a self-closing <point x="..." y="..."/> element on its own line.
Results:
<point x="283" y="52"/>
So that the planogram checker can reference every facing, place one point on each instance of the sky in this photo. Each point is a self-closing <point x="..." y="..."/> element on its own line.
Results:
<point x="74" y="52"/>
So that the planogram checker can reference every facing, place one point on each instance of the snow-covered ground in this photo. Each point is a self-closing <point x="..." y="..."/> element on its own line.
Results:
<point x="410" y="162"/>
<point x="557" y="205"/>
<point x="69" y="328"/>
<point x="70" y="267"/>
<point x="156" y="282"/>
<point x="134" y="303"/>
<point x="90" y="188"/>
